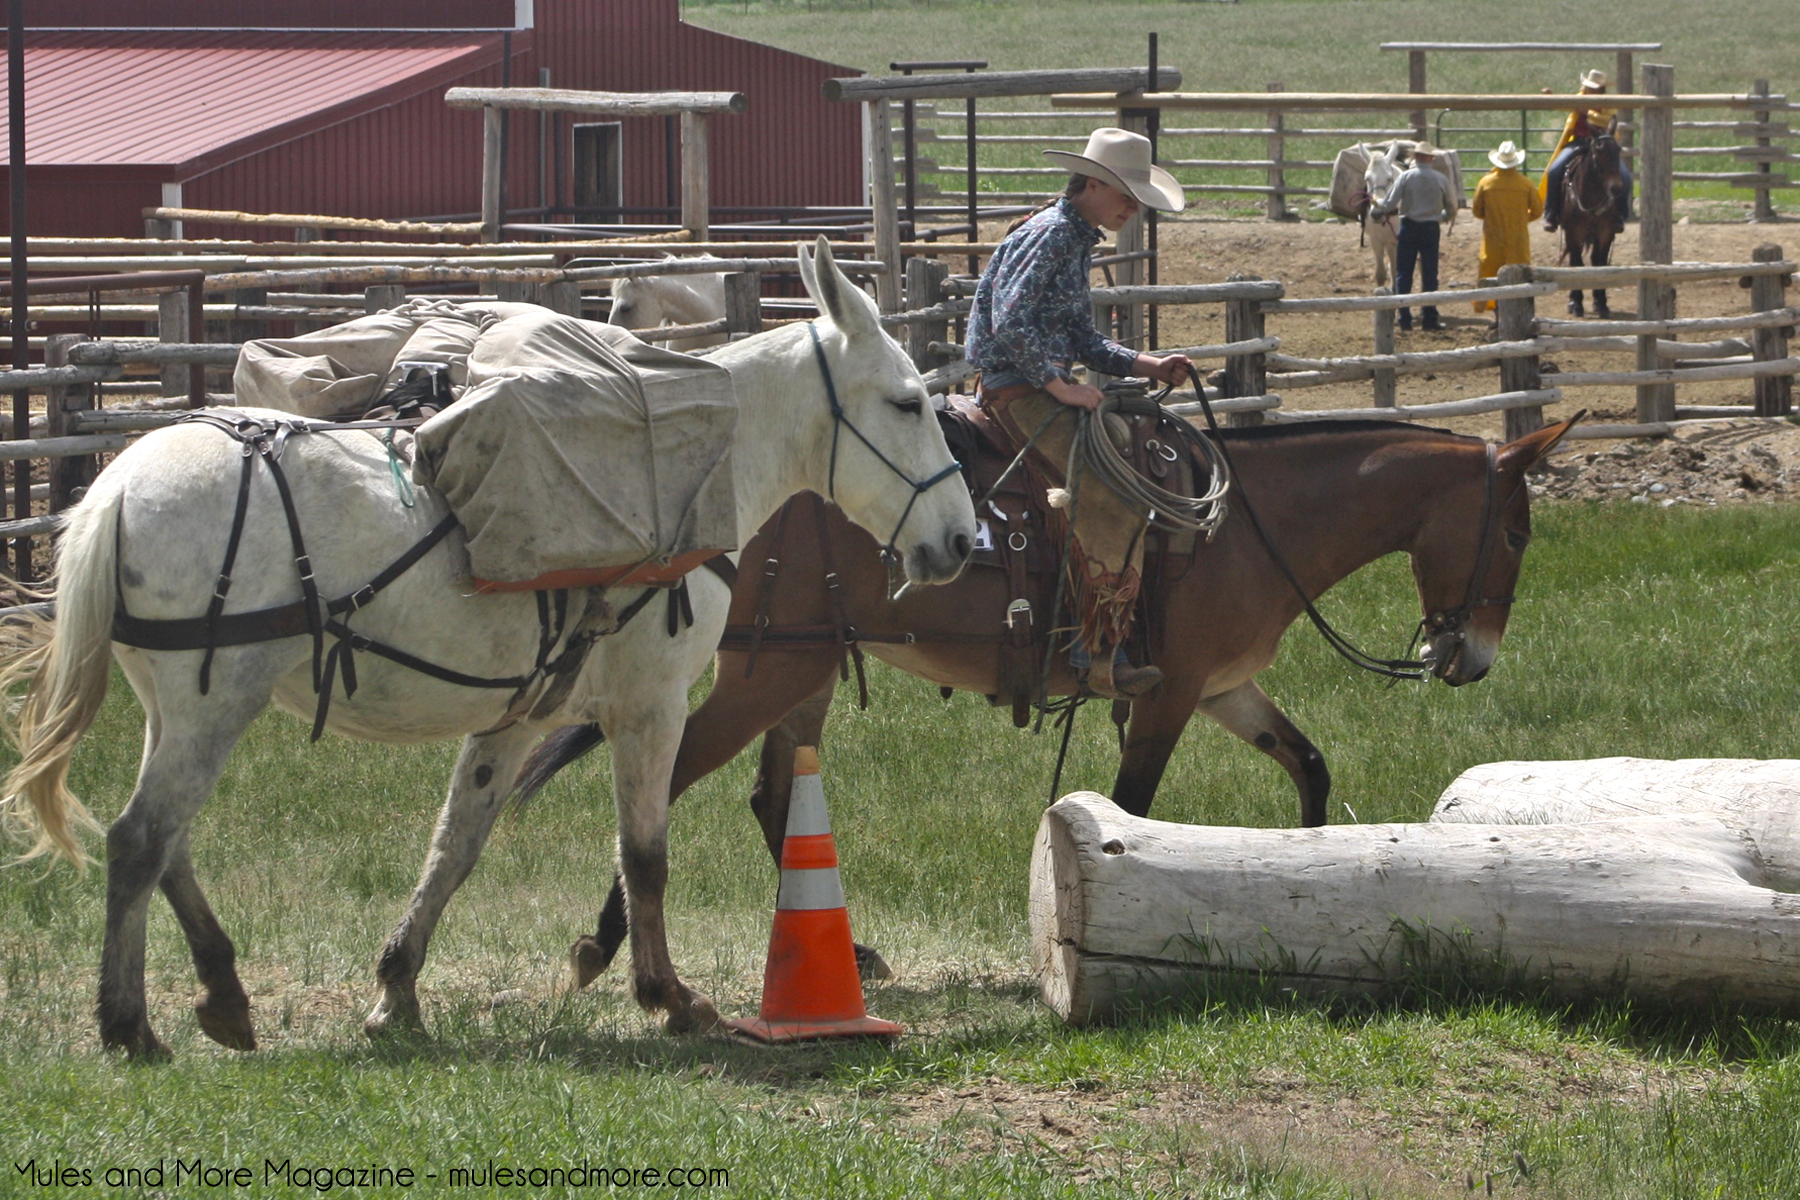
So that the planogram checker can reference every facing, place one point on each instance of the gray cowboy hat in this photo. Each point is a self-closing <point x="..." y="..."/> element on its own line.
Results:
<point x="1122" y="158"/>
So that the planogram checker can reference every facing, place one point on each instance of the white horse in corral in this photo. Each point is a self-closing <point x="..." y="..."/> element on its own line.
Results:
<point x="1382" y="233"/>
<point x="833" y="405"/>
<point x="644" y="303"/>
<point x="1362" y="177"/>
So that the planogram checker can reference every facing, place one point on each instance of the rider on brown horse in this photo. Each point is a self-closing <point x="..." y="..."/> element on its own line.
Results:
<point x="1578" y="131"/>
<point x="1032" y="317"/>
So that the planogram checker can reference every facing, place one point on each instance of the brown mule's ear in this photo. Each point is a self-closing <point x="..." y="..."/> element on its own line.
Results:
<point x="1520" y="454"/>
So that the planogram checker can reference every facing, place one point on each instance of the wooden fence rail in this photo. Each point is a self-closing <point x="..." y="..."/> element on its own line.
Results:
<point x="1256" y="368"/>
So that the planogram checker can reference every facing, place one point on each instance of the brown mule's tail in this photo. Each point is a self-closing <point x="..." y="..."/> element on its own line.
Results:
<point x="66" y="661"/>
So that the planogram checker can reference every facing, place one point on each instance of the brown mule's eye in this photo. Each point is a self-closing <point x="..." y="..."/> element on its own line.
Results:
<point x="1517" y="541"/>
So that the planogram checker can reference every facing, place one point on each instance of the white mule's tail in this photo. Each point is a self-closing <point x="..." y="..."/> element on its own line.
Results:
<point x="67" y="661"/>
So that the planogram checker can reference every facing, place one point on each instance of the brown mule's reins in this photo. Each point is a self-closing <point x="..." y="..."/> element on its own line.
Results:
<point x="1451" y="621"/>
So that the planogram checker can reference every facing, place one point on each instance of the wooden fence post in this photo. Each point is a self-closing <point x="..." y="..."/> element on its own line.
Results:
<point x="696" y="188"/>
<point x="925" y="289"/>
<point x="884" y="210"/>
<point x="1384" y="344"/>
<point x="1774" y="393"/>
<point x="1276" y="208"/>
<point x="743" y="303"/>
<point x="1656" y="297"/>
<point x="172" y="326"/>
<point x="382" y="296"/>
<point x="1623" y="77"/>
<point x="1764" y="202"/>
<point x="492" y="171"/>
<point x="1131" y="240"/>
<point x="68" y="474"/>
<point x="1415" y="83"/>
<point x="563" y="297"/>
<point x="516" y="293"/>
<point x="1516" y="321"/>
<point x="1246" y="374"/>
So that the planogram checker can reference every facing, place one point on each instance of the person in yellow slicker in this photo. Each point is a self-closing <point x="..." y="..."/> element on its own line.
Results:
<point x="1578" y="130"/>
<point x="1506" y="203"/>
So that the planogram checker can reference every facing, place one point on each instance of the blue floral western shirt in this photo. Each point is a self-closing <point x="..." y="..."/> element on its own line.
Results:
<point x="1032" y="315"/>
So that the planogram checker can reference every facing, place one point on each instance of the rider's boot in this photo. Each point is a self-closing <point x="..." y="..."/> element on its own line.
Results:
<point x="1112" y="675"/>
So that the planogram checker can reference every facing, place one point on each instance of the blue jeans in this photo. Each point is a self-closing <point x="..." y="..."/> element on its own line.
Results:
<point x="1418" y="243"/>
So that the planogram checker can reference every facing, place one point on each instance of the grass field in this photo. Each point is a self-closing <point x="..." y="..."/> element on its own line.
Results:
<point x="1639" y="631"/>
<point x="1310" y="45"/>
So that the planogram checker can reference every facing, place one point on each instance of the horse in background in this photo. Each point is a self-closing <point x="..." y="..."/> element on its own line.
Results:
<point x="643" y="304"/>
<point x="1382" y="233"/>
<point x="1593" y="190"/>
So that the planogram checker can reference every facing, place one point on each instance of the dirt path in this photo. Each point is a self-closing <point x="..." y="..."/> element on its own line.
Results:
<point x="1709" y="464"/>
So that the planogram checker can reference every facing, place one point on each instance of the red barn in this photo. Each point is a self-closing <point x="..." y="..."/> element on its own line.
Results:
<point x="226" y="104"/>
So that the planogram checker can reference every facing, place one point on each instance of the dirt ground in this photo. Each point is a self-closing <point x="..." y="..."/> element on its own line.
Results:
<point x="1734" y="462"/>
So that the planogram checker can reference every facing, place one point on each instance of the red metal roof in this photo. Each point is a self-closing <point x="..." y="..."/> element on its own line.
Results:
<point x="189" y="102"/>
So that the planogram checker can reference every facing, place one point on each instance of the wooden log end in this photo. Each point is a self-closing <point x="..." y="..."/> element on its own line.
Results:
<point x="1057" y="908"/>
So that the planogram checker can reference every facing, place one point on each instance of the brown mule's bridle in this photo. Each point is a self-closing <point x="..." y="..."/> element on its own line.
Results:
<point x="1451" y="622"/>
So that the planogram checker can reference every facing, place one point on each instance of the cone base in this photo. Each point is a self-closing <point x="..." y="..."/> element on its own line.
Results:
<point x="776" y="1032"/>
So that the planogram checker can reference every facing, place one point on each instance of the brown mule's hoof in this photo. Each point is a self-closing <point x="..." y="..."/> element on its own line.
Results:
<point x="870" y="965"/>
<point x="698" y="1017"/>
<point x="587" y="960"/>
<point x="226" y="1020"/>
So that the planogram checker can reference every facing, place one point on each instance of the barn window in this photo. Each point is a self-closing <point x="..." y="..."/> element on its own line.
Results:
<point x="598" y="167"/>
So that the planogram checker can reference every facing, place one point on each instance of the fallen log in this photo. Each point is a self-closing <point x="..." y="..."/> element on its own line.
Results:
<point x="1760" y="798"/>
<point x="1674" y="910"/>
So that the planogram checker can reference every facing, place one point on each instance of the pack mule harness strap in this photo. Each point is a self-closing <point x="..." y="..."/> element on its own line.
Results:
<point x="311" y="615"/>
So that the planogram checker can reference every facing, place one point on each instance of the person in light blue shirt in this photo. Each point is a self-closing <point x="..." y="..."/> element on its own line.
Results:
<point x="1425" y="201"/>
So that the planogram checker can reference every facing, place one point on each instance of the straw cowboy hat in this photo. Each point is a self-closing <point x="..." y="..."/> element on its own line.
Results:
<point x="1507" y="157"/>
<point x="1426" y="149"/>
<point x="1122" y="159"/>
<point x="1595" y="79"/>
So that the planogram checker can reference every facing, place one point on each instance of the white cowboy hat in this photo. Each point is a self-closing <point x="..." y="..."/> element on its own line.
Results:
<point x="1122" y="159"/>
<point x="1594" y="79"/>
<point x="1427" y="149"/>
<point x="1507" y="157"/>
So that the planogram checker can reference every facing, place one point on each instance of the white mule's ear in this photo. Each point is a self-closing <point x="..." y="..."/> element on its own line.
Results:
<point x="849" y="308"/>
<point x="808" y="277"/>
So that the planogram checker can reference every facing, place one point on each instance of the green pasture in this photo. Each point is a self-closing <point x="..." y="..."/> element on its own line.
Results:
<point x="1310" y="45"/>
<point x="1639" y="630"/>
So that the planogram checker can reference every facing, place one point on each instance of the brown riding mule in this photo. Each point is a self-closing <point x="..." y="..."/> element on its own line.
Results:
<point x="1332" y="496"/>
<point x="1593" y="188"/>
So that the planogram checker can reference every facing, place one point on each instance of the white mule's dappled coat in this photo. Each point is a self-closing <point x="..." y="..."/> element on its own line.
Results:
<point x="152" y="533"/>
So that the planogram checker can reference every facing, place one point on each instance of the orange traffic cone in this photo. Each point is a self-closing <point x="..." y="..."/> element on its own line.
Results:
<point x="810" y="985"/>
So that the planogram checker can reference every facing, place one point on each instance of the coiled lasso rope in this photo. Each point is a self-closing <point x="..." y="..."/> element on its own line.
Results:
<point x="1202" y="513"/>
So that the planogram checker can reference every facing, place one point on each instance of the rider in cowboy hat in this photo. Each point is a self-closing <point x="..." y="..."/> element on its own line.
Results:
<point x="1031" y="319"/>
<point x="1505" y="203"/>
<point x="1578" y="130"/>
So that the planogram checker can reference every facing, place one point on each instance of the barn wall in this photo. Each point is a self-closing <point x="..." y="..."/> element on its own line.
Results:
<point x="416" y="158"/>
<point x="791" y="147"/>
<point x="76" y="203"/>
